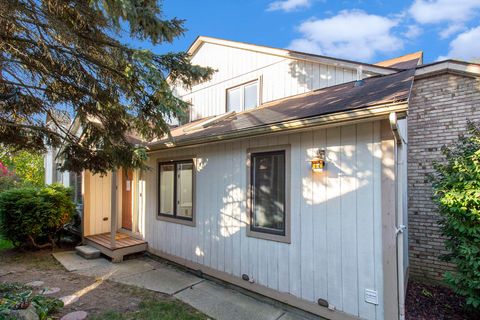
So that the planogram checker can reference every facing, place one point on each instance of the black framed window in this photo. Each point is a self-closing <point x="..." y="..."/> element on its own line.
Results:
<point x="267" y="187"/>
<point x="175" y="191"/>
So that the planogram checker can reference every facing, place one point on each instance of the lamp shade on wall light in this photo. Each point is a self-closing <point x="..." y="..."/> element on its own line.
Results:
<point x="317" y="163"/>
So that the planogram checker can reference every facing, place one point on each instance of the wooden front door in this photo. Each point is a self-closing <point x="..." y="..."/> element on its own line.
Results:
<point x="127" y="191"/>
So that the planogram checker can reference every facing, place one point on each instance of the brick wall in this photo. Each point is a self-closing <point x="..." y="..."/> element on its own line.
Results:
<point x="438" y="111"/>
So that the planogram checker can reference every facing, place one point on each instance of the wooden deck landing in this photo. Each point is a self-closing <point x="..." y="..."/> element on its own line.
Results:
<point x="124" y="245"/>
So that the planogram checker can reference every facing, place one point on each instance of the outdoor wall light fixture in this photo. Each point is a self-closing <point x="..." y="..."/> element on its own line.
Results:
<point x="318" y="162"/>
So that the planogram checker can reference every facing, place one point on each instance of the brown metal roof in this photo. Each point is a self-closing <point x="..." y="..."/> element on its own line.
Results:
<point x="344" y="97"/>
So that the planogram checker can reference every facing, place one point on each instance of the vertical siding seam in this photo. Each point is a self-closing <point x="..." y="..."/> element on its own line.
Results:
<point x="342" y="149"/>
<point x="299" y="220"/>
<point x="312" y="225"/>
<point x="356" y="218"/>
<point x="325" y="187"/>
<point x="326" y="204"/>
<point x="375" y="183"/>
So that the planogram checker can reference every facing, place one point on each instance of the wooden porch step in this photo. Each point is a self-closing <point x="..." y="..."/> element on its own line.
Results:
<point x="122" y="240"/>
<point x="124" y="245"/>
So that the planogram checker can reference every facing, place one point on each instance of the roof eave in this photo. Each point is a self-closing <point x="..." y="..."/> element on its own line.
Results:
<point x="452" y="66"/>
<point x="370" y="113"/>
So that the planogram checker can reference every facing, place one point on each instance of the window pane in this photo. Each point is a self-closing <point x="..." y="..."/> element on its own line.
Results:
<point x="167" y="173"/>
<point x="250" y="95"/>
<point x="234" y="102"/>
<point x="184" y="189"/>
<point x="268" y="184"/>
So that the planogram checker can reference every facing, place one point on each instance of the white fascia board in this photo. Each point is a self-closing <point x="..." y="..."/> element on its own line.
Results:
<point x="291" y="54"/>
<point x="449" y="66"/>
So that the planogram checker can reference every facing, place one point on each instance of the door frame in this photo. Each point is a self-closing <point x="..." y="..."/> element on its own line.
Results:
<point x="135" y="232"/>
<point x="126" y="176"/>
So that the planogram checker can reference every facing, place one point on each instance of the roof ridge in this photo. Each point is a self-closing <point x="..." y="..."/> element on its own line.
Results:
<point x="195" y="44"/>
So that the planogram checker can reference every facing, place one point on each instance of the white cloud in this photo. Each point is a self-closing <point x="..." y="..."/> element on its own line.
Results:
<point x="289" y="5"/>
<point x="466" y="46"/>
<point x="436" y="11"/>
<point x="451" y="30"/>
<point x="453" y="12"/>
<point x="413" y="31"/>
<point x="352" y="34"/>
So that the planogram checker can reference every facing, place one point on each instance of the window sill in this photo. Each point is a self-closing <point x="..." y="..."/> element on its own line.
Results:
<point x="190" y="223"/>
<point x="268" y="236"/>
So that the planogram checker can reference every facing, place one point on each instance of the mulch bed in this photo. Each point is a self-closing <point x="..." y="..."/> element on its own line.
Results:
<point x="433" y="302"/>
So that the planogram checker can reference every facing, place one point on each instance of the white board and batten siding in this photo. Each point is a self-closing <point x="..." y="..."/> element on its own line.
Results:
<point x="280" y="77"/>
<point x="335" y="217"/>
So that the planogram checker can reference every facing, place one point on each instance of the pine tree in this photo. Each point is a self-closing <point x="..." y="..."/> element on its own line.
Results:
<point x="67" y="57"/>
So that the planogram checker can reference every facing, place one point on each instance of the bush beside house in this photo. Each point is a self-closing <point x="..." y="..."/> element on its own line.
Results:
<point x="34" y="216"/>
<point x="457" y="194"/>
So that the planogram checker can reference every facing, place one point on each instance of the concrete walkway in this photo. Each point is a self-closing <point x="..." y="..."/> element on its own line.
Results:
<point x="214" y="300"/>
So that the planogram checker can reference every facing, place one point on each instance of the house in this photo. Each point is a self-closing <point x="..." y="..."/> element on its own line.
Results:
<point x="292" y="177"/>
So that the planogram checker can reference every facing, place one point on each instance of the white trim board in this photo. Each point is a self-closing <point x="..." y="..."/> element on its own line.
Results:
<point x="290" y="54"/>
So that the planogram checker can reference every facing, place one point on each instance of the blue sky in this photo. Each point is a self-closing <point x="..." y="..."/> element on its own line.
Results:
<point x="358" y="30"/>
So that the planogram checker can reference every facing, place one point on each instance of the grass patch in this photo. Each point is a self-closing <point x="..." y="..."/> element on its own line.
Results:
<point x="154" y="309"/>
<point x="5" y="244"/>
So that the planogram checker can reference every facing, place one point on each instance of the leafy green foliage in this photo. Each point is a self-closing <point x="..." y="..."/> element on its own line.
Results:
<point x="5" y="244"/>
<point x="68" y="59"/>
<point x="29" y="215"/>
<point x="15" y="296"/>
<point x="45" y="305"/>
<point x="457" y="192"/>
<point x="24" y="168"/>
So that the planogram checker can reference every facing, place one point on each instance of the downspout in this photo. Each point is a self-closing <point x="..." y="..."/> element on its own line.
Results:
<point x="400" y="227"/>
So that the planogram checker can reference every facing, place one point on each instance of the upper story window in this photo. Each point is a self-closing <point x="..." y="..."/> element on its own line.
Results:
<point x="243" y="97"/>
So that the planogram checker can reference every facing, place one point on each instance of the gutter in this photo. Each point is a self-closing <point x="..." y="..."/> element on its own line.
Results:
<point x="380" y="111"/>
<point x="400" y="227"/>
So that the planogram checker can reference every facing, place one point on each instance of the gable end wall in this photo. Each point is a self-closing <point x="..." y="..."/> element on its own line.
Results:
<point x="438" y="112"/>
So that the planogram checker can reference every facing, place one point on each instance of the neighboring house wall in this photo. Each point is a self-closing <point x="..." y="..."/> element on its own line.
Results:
<point x="52" y="174"/>
<point x="279" y="77"/>
<point x="49" y="165"/>
<point x="438" y="112"/>
<point x="336" y="217"/>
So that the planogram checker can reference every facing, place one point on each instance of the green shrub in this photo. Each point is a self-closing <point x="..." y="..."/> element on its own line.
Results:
<point x="456" y="186"/>
<point x="34" y="216"/>
<point x="8" y="182"/>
